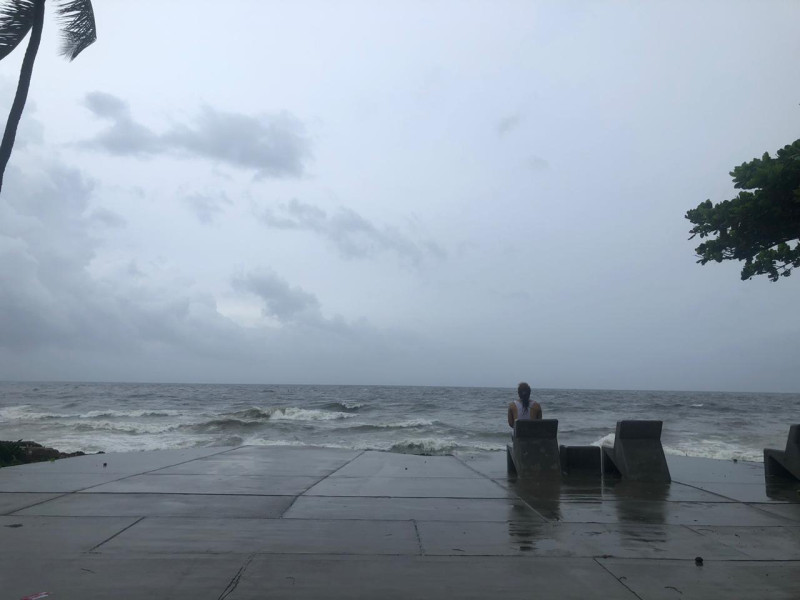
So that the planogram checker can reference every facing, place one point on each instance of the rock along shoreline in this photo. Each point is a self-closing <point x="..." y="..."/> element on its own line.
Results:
<point x="23" y="452"/>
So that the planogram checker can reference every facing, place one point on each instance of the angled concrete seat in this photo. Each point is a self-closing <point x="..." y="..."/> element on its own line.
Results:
<point x="784" y="464"/>
<point x="637" y="453"/>
<point x="581" y="461"/>
<point x="534" y="451"/>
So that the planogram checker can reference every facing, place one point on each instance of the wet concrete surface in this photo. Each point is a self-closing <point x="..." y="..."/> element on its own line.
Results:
<point x="267" y="485"/>
<point x="426" y="578"/>
<point x="408" y="487"/>
<point x="787" y="511"/>
<point x="19" y="480"/>
<point x="419" y="509"/>
<point x="96" y="577"/>
<point x="758" y="543"/>
<point x="280" y="462"/>
<point x="570" y="540"/>
<point x="255" y="522"/>
<point x="123" y="463"/>
<point x="684" y="580"/>
<point x="34" y="537"/>
<point x="283" y="536"/>
<point x="11" y="502"/>
<point x="666" y="513"/>
<point x="384" y="464"/>
<point x="162" y="505"/>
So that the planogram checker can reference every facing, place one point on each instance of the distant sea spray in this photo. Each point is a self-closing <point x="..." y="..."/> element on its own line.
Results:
<point x="418" y="420"/>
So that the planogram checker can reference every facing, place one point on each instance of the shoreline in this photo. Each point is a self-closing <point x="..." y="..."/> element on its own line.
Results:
<point x="21" y="452"/>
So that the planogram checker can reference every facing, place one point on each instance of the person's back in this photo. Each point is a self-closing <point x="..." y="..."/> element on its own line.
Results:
<point x="523" y="409"/>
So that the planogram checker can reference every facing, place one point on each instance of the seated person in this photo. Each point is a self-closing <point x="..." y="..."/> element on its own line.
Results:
<point x="523" y="408"/>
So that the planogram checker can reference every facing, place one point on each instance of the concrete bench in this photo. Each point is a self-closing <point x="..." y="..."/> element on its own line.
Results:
<point x="784" y="464"/>
<point x="581" y="461"/>
<point x="637" y="453"/>
<point x="534" y="451"/>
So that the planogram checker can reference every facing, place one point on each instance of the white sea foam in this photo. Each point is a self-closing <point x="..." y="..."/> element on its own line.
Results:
<point x="434" y="446"/>
<point x="714" y="449"/>
<point x="127" y="417"/>
<point x="606" y="440"/>
<point x="263" y="442"/>
<point x="26" y="413"/>
<point x="351" y="405"/>
<point x="135" y="414"/>
<point x="303" y="414"/>
<point x="395" y="425"/>
<point x="122" y="427"/>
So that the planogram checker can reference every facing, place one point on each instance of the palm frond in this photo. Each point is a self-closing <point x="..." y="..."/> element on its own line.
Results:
<point x="16" y="20"/>
<point x="77" y="26"/>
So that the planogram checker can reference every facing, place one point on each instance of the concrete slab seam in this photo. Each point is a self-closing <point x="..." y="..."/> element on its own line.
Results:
<point x="419" y="539"/>
<point x="234" y="582"/>
<point x="478" y="472"/>
<point x="123" y="530"/>
<point x="85" y="493"/>
<point x="188" y="461"/>
<point x="8" y="514"/>
<point x="701" y="528"/>
<point x="772" y="514"/>
<point x="658" y="559"/>
<point x="728" y="498"/>
<point x="622" y="583"/>
<point x="320" y="481"/>
<point x="520" y="498"/>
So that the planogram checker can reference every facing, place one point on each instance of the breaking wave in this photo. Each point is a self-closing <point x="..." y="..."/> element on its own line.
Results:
<point x="24" y="413"/>
<point x="714" y="449"/>
<point x="125" y="417"/>
<point x="410" y="424"/>
<point x="289" y="413"/>
<point x="344" y="406"/>
<point x="435" y="447"/>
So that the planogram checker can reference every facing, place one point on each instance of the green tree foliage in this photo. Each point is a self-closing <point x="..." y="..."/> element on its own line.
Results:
<point x="761" y="225"/>
<point x="17" y="18"/>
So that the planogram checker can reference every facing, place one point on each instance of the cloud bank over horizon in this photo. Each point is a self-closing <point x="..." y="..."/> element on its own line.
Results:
<point x="480" y="208"/>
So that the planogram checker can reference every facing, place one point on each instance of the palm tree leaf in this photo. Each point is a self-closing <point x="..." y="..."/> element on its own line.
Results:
<point x="77" y="26"/>
<point x="16" y="20"/>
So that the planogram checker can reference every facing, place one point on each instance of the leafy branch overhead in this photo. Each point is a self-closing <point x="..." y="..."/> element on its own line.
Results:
<point x="75" y="16"/>
<point x="761" y="225"/>
<point x="17" y="19"/>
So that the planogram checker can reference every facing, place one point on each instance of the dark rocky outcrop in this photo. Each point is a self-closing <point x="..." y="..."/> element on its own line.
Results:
<point x="23" y="452"/>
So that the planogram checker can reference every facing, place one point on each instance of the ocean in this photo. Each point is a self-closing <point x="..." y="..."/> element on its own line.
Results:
<point x="113" y="417"/>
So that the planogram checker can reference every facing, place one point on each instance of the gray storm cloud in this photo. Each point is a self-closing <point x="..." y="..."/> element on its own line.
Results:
<point x="49" y="298"/>
<point x="207" y="206"/>
<point x="282" y="301"/>
<point x="59" y="320"/>
<point x="353" y="235"/>
<point x="508" y="124"/>
<point x="274" y="145"/>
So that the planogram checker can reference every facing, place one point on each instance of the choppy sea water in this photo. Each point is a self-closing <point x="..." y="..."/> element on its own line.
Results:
<point x="420" y="420"/>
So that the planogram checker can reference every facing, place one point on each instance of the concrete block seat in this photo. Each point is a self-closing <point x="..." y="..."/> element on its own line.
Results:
<point x="784" y="464"/>
<point x="637" y="453"/>
<point x="581" y="461"/>
<point x="534" y="452"/>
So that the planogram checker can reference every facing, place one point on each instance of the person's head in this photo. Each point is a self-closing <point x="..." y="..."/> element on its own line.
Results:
<point x="524" y="392"/>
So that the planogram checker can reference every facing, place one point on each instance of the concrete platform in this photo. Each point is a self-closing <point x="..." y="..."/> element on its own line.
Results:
<point x="263" y="522"/>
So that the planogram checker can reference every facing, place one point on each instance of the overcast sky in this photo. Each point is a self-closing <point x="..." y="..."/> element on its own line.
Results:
<point x="432" y="193"/>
